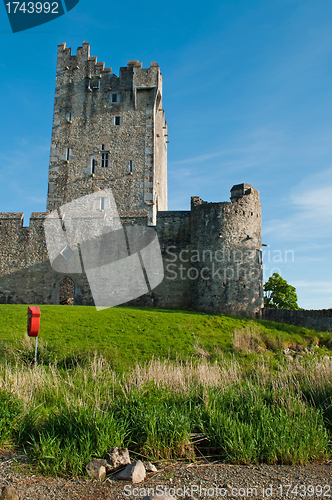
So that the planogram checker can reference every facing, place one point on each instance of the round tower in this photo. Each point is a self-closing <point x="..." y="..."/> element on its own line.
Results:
<point x="226" y="246"/>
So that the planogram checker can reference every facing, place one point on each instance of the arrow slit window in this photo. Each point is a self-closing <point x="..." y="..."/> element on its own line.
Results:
<point x="93" y="165"/>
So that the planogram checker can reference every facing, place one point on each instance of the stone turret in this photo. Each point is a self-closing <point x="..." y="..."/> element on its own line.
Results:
<point x="226" y="238"/>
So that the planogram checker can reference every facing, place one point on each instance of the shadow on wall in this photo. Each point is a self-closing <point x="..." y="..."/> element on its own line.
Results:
<point x="316" y="319"/>
<point x="39" y="284"/>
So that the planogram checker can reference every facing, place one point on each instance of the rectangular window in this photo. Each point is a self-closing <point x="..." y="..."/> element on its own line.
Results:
<point x="104" y="160"/>
<point x="130" y="166"/>
<point x="118" y="120"/>
<point x="93" y="165"/>
<point x="102" y="203"/>
<point x="67" y="154"/>
<point x="69" y="117"/>
<point x="114" y="97"/>
<point x="103" y="147"/>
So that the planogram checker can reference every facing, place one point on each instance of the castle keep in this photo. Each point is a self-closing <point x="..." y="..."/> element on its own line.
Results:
<point x="110" y="132"/>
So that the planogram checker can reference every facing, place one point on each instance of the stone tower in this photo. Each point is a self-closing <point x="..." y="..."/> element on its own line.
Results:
<point x="226" y="238"/>
<point x="108" y="131"/>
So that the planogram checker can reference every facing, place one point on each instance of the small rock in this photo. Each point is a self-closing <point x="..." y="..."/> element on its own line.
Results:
<point x="134" y="472"/>
<point x="149" y="467"/>
<point x="96" y="468"/>
<point x="8" y="493"/>
<point x="163" y="496"/>
<point x="119" y="456"/>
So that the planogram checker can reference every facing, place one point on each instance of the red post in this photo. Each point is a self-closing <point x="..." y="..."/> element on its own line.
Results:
<point x="33" y="325"/>
<point x="33" y="321"/>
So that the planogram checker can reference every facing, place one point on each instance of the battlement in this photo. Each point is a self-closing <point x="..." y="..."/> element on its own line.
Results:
<point x="240" y="190"/>
<point x="64" y="53"/>
<point x="15" y="220"/>
<point x="133" y="75"/>
<point x="237" y="192"/>
<point x="11" y="220"/>
<point x="11" y="216"/>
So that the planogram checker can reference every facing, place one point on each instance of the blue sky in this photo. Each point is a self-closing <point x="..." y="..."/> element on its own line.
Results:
<point x="247" y="96"/>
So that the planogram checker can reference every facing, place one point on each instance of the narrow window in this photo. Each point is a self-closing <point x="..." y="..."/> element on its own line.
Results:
<point x="69" y="117"/>
<point x="259" y="256"/>
<point x="104" y="160"/>
<point x="102" y="204"/>
<point x="103" y="147"/>
<point x="114" y="97"/>
<point x="67" y="154"/>
<point x="117" y="120"/>
<point x="131" y="166"/>
<point x="93" y="165"/>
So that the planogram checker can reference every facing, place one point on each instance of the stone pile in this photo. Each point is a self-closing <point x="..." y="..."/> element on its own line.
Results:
<point x="119" y="465"/>
<point x="8" y="493"/>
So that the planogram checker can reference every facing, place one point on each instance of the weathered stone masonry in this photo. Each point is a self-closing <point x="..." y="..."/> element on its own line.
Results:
<point x="110" y="131"/>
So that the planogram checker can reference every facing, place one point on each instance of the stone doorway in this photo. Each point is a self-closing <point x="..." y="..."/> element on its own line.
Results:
<point x="67" y="289"/>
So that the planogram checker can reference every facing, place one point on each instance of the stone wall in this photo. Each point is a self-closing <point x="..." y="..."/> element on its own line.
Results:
<point x="310" y="318"/>
<point x="210" y="255"/>
<point x="26" y="276"/>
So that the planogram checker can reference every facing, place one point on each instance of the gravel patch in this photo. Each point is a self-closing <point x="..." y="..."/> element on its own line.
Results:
<point x="199" y="480"/>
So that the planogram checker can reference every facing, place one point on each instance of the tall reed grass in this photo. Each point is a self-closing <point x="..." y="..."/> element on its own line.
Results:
<point x="274" y="413"/>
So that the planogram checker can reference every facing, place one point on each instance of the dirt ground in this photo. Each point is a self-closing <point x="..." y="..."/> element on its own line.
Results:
<point x="179" y="479"/>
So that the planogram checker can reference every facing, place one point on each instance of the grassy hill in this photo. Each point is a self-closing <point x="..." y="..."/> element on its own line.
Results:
<point x="125" y="336"/>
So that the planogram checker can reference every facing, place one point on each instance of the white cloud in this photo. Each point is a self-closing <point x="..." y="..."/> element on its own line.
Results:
<point x="310" y="208"/>
<point x="314" y="294"/>
<point x="321" y="286"/>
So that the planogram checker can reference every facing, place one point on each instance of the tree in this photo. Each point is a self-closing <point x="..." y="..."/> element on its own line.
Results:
<point x="278" y="294"/>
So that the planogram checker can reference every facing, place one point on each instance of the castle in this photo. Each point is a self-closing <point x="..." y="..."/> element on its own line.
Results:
<point x="110" y="132"/>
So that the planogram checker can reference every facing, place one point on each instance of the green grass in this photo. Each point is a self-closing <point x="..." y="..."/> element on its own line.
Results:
<point x="152" y="380"/>
<point x="127" y="335"/>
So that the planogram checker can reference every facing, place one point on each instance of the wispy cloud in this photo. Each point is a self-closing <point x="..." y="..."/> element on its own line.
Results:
<point x="310" y="208"/>
<point x="325" y="286"/>
<point x="314" y="294"/>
